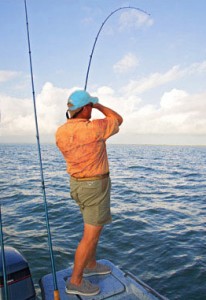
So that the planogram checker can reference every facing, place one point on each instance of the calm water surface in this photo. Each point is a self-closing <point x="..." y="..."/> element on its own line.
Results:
<point x="159" y="214"/>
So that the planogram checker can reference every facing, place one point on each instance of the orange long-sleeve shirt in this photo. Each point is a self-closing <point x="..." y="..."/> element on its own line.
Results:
<point x="82" y="143"/>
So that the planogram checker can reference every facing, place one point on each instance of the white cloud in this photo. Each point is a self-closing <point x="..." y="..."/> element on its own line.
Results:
<point x="18" y="114"/>
<point x="152" y="81"/>
<point x="158" y="79"/>
<point x="173" y="100"/>
<point x="178" y="111"/>
<point x="134" y="18"/>
<point x="126" y="105"/>
<point x="196" y="68"/>
<point x="51" y="107"/>
<point x="8" y="75"/>
<point x="128" y="62"/>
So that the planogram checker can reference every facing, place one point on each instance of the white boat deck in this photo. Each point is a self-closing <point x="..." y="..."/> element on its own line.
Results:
<point x="117" y="285"/>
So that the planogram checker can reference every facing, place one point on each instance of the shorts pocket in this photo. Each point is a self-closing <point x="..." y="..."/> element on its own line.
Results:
<point x="90" y="192"/>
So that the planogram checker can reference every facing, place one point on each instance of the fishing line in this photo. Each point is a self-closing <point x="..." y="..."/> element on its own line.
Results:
<point x="100" y="29"/>
<point x="3" y="259"/>
<point x="56" y="293"/>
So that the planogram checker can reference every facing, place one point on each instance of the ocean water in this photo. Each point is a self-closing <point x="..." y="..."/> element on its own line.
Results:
<point x="158" y="205"/>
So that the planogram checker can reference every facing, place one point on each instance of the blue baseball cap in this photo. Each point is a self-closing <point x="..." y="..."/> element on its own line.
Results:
<point x="79" y="99"/>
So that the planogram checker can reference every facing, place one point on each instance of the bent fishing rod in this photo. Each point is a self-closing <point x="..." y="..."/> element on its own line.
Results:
<point x="56" y="292"/>
<point x="100" y="29"/>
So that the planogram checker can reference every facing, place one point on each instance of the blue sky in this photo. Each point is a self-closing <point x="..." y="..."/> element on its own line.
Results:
<point x="151" y="69"/>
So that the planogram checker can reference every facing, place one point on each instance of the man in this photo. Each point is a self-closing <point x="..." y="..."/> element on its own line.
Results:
<point x="82" y="143"/>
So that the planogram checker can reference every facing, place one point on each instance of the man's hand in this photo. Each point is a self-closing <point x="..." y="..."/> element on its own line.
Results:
<point x="108" y="112"/>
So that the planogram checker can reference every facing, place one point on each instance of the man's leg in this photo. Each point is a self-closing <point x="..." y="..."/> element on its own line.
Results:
<point x="86" y="252"/>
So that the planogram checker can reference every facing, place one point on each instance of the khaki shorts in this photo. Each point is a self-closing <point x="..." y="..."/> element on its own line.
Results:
<point x="93" y="198"/>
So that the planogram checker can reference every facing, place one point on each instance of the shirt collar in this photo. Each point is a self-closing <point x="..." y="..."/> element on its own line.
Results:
<point x="76" y="120"/>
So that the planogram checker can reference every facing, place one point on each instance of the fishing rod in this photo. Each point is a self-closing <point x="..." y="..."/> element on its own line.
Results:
<point x="56" y="292"/>
<point x="3" y="259"/>
<point x="100" y="29"/>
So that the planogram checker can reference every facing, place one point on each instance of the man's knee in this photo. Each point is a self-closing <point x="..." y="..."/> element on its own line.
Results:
<point x="92" y="233"/>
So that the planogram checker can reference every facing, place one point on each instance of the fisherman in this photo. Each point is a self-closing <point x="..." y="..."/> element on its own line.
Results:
<point x="83" y="144"/>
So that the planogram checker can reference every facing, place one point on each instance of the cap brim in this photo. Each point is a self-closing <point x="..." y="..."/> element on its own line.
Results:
<point x="94" y="100"/>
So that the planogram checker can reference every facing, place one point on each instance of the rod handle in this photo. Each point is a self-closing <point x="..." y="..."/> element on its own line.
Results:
<point x="56" y="295"/>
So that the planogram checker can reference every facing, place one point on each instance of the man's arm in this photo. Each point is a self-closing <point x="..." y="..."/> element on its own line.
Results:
<point x="108" y="112"/>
